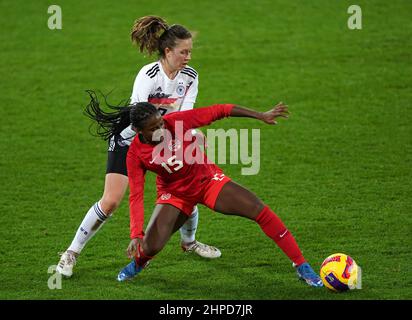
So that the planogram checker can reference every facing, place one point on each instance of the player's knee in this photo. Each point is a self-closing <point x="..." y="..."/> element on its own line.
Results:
<point x="110" y="203"/>
<point x="257" y="208"/>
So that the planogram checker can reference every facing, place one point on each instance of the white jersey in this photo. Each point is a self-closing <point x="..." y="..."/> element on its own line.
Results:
<point x="154" y="86"/>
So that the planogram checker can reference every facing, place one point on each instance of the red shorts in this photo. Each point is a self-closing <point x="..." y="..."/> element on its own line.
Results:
<point x="207" y="196"/>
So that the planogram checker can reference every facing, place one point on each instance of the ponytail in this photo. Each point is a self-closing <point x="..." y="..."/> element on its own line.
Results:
<point x="146" y="32"/>
<point x="152" y="33"/>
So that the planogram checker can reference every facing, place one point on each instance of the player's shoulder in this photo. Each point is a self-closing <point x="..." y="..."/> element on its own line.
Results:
<point x="189" y="71"/>
<point x="150" y="70"/>
<point x="134" y="153"/>
<point x="170" y="118"/>
<point x="133" y="150"/>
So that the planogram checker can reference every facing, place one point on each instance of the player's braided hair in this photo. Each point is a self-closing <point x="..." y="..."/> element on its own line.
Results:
<point x="152" y="33"/>
<point x="113" y="123"/>
<point x="141" y="112"/>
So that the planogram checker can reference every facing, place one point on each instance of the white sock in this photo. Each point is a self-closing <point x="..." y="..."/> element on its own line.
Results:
<point x="188" y="230"/>
<point x="91" y="223"/>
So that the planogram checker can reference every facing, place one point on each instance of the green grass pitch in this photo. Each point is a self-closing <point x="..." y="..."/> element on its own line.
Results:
<point x="338" y="172"/>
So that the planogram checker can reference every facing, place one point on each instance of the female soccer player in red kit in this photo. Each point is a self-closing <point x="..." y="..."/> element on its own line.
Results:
<point x="181" y="184"/>
<point x="171" y="85"/>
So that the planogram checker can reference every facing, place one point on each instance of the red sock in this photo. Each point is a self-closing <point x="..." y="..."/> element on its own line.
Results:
<point x="274" y="228"/>
<point x="140" y="258"/>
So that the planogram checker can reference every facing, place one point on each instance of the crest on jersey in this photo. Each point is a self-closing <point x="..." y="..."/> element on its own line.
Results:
<point x="174" y="145"/>
<point x="180" y="90"/>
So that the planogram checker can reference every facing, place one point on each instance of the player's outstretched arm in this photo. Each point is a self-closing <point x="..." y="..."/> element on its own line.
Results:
<point x="201" y="117"/>
<point x="269" y="117"/>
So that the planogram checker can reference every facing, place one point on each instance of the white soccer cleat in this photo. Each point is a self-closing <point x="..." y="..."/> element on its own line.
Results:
<point x="66" y="264"/>
<point x="202" y="249"/>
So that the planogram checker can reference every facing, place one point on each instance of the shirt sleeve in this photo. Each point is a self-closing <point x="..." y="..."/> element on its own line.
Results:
<point x="127" y="135"/>
<point x="136" y="174"/>
<point x="200" y="117"/>
<point x="191" y="95"/>
<point x="142" y="87"/>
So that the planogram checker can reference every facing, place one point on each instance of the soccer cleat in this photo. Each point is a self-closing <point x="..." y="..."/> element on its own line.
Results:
<point x="306" y="273"/>
<point x="202" y="249"/>
<point x="66" y="264"/>
<point x="130" y="271"/>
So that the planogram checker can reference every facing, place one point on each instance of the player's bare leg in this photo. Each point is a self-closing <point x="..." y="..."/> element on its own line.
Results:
<point x="164" y="222"/>
<point x="114" y="189"/>
<point x="236" y="200"/>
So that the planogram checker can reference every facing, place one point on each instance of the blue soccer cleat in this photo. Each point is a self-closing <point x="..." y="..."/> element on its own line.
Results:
<point x="306" y="273"/>
<point x="130" y="271"/>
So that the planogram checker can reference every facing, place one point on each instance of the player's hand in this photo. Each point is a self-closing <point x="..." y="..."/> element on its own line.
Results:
<point x="132" y="247"/>
<point x="280" y="110"/>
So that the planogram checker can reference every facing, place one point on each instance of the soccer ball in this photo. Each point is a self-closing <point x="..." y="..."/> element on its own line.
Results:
<point x="339" y="272"/>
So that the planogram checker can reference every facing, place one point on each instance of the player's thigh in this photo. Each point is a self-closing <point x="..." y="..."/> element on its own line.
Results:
<point x="234" y="199"/>
<point x="165" y="220"/>
<point x="115" y="187"/>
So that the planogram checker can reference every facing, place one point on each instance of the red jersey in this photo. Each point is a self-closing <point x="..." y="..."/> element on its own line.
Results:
<point x="175" y="174"/>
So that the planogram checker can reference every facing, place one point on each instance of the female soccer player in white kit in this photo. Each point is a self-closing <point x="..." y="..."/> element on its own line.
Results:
<point x="169" y="84"/>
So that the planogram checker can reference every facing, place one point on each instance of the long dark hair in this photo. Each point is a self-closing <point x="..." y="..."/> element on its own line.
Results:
<point x="123" y="114"/>
<point x="152" y="33"/>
